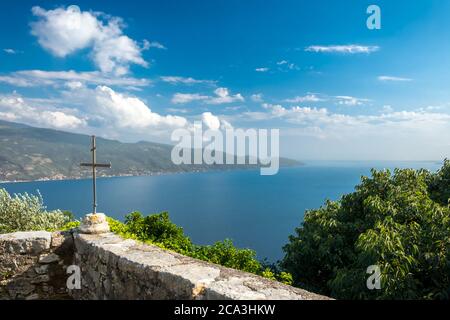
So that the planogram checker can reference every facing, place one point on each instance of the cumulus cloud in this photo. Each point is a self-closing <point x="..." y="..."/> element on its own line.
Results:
<point x="81" y="109"/>
<point x="223" y="96"/>
<point x="345" y="49"/>
<point x="211" y="121"/>
<point x="16" y="108"/>
<point x="125" y="111"/>
<point x="263" y="69"/>
<point x="63" y="31"/>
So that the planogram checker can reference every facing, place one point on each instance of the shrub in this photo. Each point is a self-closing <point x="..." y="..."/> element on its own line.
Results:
<point x="157" y="229"/>
<point x="400" y="222"/>
<point x="24" y="212"/>
<point x="226" y="254"/>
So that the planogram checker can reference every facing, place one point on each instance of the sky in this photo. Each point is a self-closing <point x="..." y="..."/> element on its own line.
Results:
<point x="138" y="70"/>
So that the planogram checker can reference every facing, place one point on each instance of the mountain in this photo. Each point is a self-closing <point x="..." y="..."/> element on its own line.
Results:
<point x="29" y="153"/>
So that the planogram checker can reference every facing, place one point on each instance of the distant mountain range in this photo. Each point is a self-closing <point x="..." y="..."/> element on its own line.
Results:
<point x="29" y="153"/>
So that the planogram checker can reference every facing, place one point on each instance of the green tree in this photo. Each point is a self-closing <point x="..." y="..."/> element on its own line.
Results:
<point x="399" y="222"/>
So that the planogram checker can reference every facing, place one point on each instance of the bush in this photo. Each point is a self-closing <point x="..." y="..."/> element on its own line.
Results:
<point x="226" y="254"/>
<point x="400" y="222"/>
<point x="157" y="229"/>
<point x="24" y="212"/>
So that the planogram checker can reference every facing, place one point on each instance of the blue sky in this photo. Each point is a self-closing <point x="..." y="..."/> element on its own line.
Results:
<point x="137" y="70"/>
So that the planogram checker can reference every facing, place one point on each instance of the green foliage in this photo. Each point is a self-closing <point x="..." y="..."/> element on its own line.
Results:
<point x="226" y="254"/>
<point x="400" y="222"/>
<point x="70" y="225"/>
<point x="438" y="184"/>
<point x="157" y="229"/>
<point x="24" y="212"/>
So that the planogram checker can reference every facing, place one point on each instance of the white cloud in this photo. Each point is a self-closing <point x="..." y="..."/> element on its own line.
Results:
<point x="83" y="109"/>
<point x="211" y="121"/>
<point x="17" y="81"/>
<point x="317" y="133"/>
<point x="153" y="44"/>
<point x="181" y="98"/>
<point x="351" y="101"/>
<point x="15" y="108"/>
<point x="285" y="65"/>
<point x="61" y="120"/>
<point x="391" y="78"/>
<point x="73" y="85"/>
<point x="263" y="69"/>
<point x="177" y="110"/>
<point x="307" y="98"/>
<point x="102" y="111"/>
<point x="39" y="78"/>
<point x="185" y="80"/>
<point x="130" y="112"/>
<point x="346" y="49"/>
<point x="63" y="31"/>
<point x="387" y="109"/>
<point x="10" y="51"/>
<point x="322" y="116"/>
<point x="222" y="96"/>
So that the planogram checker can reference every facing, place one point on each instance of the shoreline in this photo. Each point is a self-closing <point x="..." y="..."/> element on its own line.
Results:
<point x="106" y="177"/>
<point x="162" y="173"/>
<point x="138" y="175"/>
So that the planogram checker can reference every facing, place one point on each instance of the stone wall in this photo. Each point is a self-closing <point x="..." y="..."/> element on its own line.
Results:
<point x="33" y="266"/>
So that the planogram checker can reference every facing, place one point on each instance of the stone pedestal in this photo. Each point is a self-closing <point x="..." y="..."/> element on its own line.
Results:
<point x="94" y="223"/>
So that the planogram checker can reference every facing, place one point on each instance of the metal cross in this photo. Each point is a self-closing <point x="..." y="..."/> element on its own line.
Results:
<point x="94" y="165"/>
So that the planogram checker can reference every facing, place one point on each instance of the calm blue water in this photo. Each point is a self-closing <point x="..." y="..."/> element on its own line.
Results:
<point x="257" y="212"/>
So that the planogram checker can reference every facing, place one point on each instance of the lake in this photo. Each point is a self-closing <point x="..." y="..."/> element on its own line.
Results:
<point x="257" y="212"/>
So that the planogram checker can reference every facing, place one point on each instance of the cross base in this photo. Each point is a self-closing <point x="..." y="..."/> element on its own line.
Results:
<point x="94" y="223"/>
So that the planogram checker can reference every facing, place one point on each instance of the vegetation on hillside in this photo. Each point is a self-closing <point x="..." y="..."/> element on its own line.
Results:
<point x="30" y="153"/>
<point x="399" y="222"/>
